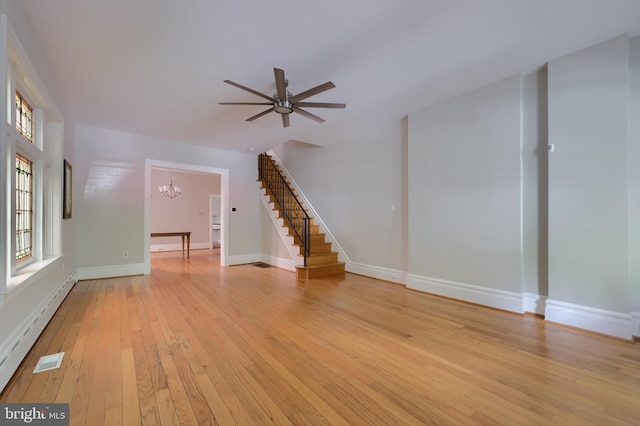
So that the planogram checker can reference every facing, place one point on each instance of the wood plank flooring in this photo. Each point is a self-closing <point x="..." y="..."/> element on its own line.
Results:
<point x="197" y="344"/>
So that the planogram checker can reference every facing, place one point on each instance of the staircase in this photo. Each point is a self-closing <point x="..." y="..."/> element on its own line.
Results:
<point x="317" y="257"/>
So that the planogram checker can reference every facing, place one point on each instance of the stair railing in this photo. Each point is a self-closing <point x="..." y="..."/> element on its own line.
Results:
<point x="295" y="216"/>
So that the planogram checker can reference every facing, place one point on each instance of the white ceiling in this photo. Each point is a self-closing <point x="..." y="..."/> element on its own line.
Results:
<point x="156" y="67"/>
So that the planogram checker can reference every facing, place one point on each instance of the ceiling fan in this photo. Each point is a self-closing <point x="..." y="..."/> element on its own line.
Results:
<point x="284" y="103"/>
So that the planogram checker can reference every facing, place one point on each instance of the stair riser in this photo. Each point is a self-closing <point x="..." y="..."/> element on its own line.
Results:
<point x="303" y="274"/>
<point x="318" y="249"/>
<point x="313" y="229"/>
<point x="322" y="259"/>
<point x="291" y="200"/>
<point x="315" y="239"/>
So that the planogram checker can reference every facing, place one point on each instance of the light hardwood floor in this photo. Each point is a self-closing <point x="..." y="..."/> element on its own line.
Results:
<point x="197" y="344"/>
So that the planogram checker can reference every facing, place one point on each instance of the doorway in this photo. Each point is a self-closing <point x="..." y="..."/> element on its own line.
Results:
<point x="223" y="194"/>
<point x="215" y="211"/>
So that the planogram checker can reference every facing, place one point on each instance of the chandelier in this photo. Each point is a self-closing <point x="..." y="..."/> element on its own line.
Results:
<point x="170" y="191"/>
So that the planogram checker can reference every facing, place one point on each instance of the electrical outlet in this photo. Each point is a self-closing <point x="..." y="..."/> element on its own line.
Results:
<point x="125" y="254"/>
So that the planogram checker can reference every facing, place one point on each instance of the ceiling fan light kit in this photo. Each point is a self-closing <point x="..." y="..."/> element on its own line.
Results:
<point x="283" y="107"/>
<point x="284" y="103"/>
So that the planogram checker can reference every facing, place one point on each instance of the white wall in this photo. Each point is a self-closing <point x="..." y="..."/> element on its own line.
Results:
<point x="109" y="198"/>
<point x="357" y="188"/>
<point x="490" y="221"/>
<point x="588" y="226"/>
<point x="273" y="248"/>
<point x="465" y="196"/>
<point x="187" y="212"/>
<point x="25" y="311"/>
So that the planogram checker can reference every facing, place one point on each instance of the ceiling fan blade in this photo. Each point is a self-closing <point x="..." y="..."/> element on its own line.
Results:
<point x="285" y="120"/>
<point x="314" y="91"/>
<point x="281" y="84"/>
<point x="245" y="103"/>
<point x="320" y="105"/>
<point x="259" y="115"/>
<point x="308" y="115"/>
<point x="240" y="86"/>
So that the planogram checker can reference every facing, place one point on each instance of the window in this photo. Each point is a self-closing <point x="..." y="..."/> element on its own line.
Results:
<point x="24" y="208"/>
<point x="24" y="117"/>
<point x="24" y="184"/>
<point x="32" y="139"/>
<point x="28" y="180"/>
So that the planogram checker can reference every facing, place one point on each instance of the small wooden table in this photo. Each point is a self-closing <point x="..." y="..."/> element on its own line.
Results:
<point x="176" y="234"/>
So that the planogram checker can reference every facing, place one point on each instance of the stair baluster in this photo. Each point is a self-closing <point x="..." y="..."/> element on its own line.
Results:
<point x="290" y="208"/>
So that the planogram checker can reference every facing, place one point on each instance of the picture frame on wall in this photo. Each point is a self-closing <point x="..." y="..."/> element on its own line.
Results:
<point x="67" y="191"/>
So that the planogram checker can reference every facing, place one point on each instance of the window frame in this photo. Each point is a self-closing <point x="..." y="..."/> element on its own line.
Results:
<point x="20" y="127"/>
<point x="31" y="149"/>
<point x="20" y="76"/>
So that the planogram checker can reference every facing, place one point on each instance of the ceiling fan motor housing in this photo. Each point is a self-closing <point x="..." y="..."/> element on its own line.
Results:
<point x="283" y="107"/>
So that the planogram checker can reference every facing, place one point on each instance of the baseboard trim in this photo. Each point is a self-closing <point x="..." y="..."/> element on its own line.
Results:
<point x="178" y="247"/>
<point x="279" y="262"/>
<point x="15" y="349"/>
<point x="377" y="272"/>
<point x="635" y="324"/>
<point x="97" y="272"/>
<point x="588" y="318"/>
<point x="534" y="303"/>
<point x="243" y="258"/>
<point x="498" y="299"/>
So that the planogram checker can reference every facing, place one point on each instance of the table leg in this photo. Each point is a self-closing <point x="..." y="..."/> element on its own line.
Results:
<point x="182" y="244"/>
<point x="188" y="245"/>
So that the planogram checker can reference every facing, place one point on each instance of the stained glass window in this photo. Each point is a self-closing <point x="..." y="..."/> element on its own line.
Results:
<point x="24" y="117"/>
<point x="24" y="208"/>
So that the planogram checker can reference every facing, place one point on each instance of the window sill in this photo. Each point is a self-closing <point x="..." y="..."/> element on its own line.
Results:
<point x="29" y="273"/>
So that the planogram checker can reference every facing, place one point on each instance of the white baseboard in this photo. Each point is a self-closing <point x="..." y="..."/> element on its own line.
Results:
<point x="279" y="262"/>
<point x="243" y="258"/>
<point x="378" y="272"/>
<point x="533" y="303"/>
<point x="178" y="247"/>
<point x="16" y="347"/>
<point x="635" y="324"/>
<point x="97" y="272"/>
<point x="499" y="299"/>
<point x="593" y="319"/>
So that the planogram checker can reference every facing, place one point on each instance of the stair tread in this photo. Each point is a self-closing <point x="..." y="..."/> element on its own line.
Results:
<point x="312" y="234"/>
<point x="312" y="244"/>
<point x="324" y="265"/>
<point x="322" y="254"/>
